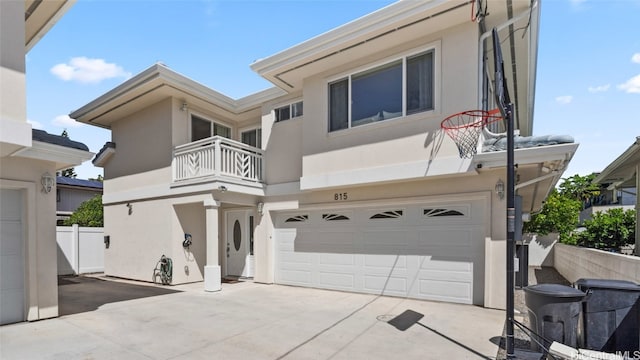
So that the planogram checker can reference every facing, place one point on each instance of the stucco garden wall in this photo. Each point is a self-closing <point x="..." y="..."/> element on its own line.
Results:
<point x="575" y="263"/>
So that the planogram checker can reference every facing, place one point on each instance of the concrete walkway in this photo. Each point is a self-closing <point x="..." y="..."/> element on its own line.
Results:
<point x="249" y="321"/>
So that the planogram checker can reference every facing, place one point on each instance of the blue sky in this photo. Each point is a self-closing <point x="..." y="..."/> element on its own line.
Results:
<point x="588" y="83"/>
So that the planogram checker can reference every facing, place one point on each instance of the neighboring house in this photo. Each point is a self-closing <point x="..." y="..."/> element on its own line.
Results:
<point x="340" y="177"/>
<point x="29" y="160"/>
<point x="611" y="197"/>
<point x="622" y="175"/>
<point x="71" y="193"/>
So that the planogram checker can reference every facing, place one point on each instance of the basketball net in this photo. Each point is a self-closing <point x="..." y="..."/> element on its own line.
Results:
<point x="464" y="129"/>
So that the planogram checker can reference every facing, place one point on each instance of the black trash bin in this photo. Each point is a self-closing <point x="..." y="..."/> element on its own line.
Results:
<point x="611" y="315"/>
<point x="554" y="313"/>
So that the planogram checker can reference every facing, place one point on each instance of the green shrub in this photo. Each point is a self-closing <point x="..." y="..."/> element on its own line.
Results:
<point x="90" y="213"/>
<point x="609" y="230"/>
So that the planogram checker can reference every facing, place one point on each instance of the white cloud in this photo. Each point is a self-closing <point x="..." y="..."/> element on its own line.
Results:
<point x="65" y="121"/>
<point x="600" y="88"/>
<point x="85" y="70"/>
<point x="565" y="99"/>
<point x="632" y="85"/>
<point x="636" y="58"/>
<point x="35" y="124"/>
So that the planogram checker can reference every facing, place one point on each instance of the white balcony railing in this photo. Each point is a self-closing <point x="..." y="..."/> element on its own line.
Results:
<point x="217" y="156"/>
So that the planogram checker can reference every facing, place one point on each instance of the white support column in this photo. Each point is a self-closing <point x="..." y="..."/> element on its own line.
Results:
<point x="212" y="273"/>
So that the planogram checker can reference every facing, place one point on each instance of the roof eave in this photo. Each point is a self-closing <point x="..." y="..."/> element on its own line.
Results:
<point x="623" y="160"/>
<point x="335" y="37"/>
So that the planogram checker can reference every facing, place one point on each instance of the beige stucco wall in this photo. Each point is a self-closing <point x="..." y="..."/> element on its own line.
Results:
<point x="143" y="142"/>
<point x="403" y="140"/>
<point x="41" y="283"/>
<point x="14" y="129"/>
<point x="156" y="227"/>
<point x="574" y="263"/>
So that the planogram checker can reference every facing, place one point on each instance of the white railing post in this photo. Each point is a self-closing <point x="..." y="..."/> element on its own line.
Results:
<point x="217" y="157"/>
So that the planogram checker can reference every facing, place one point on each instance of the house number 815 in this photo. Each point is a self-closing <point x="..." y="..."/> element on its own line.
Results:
<point x="340" y="196"/>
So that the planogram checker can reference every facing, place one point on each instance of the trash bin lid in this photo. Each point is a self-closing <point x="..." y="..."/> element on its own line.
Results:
<point x="587" y="284"/>
<point x="554" y="290"/>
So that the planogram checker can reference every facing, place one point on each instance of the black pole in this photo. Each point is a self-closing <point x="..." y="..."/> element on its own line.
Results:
<point x="511" y="228"/>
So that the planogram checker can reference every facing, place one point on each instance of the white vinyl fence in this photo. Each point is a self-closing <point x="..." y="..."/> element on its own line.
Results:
<point x="80" y="249"/>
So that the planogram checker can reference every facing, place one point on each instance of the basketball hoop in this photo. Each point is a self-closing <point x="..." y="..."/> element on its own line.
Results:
<point x="464" y="129"/>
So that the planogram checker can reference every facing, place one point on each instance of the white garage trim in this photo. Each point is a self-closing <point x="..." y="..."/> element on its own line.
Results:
<point x="429" y="248"/>
<point x="29" y="227"/>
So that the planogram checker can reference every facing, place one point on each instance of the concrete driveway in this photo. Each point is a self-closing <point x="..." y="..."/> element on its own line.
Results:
<point x="126" y="320"/>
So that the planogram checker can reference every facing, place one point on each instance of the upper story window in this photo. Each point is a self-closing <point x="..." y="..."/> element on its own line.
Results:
<point x="202" y="128"/>
<point x="397" y="88"/>
<point x="288" y="111"/>
<point x="252" y="137"/>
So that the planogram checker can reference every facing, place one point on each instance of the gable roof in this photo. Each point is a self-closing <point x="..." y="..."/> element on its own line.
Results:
<point x="159" y="82"/>
<point x="622" y="171"/>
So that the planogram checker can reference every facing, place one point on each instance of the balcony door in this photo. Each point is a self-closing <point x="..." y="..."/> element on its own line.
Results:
<point x="252" y="137"/>
<point x="202" y="128"/>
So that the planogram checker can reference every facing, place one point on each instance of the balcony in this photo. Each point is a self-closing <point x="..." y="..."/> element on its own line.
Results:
<point x="217" y="158"/>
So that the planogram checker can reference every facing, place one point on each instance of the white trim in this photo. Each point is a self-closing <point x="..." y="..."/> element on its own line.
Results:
<point x="164" y="190"/>
<point x="63" y="156"/>
<point x="102" y="158"/>
<point x="44" y="29"/>
<point x="498" y="159"/>
<point x="452" y="165"/>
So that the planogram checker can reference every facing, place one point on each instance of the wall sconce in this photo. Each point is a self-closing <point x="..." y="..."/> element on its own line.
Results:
<point x="47" y="182"/>
<point x="260" y="207"/>
<point x="500" y="189"/>
<point x="222" y="188"/>
<point x="184" y="106"/>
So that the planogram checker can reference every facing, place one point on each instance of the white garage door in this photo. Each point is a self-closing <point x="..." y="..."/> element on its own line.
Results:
<point x="429" y="251"/>
<point x="11" y="257"/>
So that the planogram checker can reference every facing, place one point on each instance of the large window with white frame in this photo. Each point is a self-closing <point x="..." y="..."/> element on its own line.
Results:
<point x="396" y="88"/>
<point x="202" y="128"/>
<point x="289" y="111"/>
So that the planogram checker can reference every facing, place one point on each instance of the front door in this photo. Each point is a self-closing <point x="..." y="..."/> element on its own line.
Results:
<point x="236" y="246"/>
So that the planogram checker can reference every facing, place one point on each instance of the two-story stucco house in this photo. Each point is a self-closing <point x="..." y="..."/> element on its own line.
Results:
<point x="340" y="176"/>
<point x="29" y="159"/>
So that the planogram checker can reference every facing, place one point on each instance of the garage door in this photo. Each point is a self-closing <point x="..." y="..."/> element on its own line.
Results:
<point x="11" y="257"/>
<point x="429" y="251"/>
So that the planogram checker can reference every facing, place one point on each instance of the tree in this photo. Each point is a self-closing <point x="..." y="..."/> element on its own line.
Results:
<point x="560" y="213"/>
<point x="581" y="188"/>
<point x="70" y="172"/>
<point x="99" y="178"/>
<point x="90" y="213"/>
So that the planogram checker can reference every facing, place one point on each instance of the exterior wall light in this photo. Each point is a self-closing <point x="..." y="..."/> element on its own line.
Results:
<point x="222" y="188"/>
<point x="47" y="182"/>
<point x="500" y="189"/>
<point x="184" y="106"/>
<point x="260" y="208"/>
